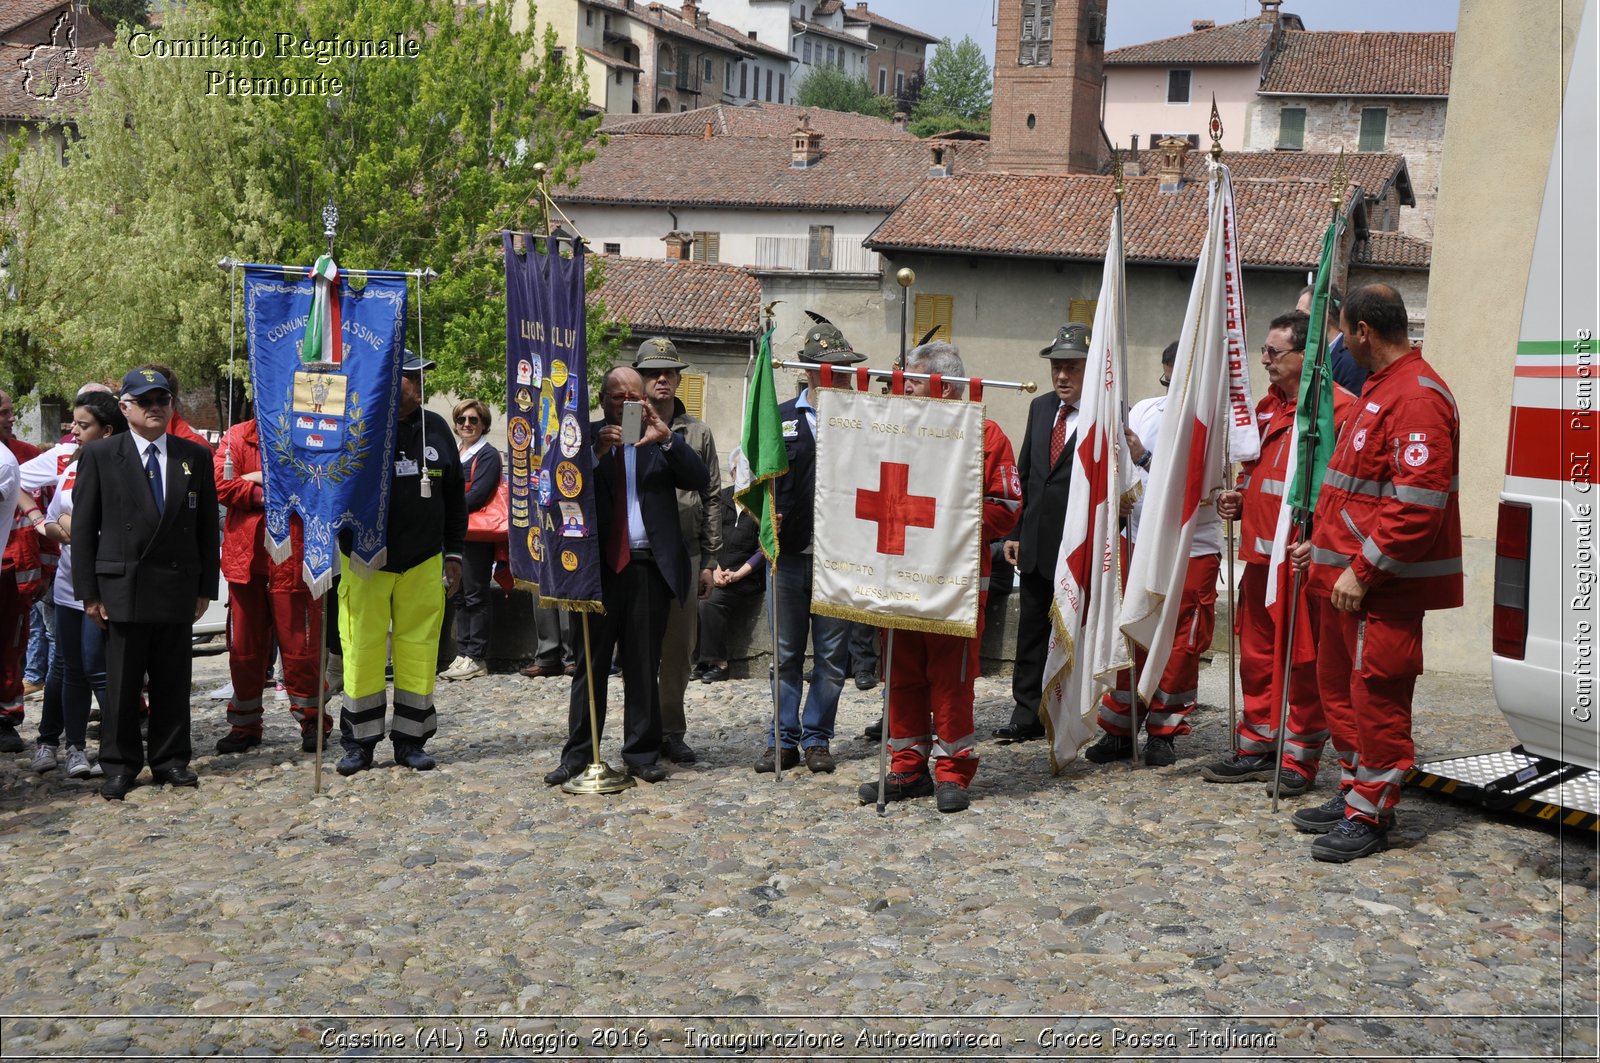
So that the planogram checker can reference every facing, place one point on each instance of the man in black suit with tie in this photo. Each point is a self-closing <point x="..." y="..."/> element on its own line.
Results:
<point x="1046" y="472"/>
<point x="145" y="560"/>
<point x="644" y="565"/>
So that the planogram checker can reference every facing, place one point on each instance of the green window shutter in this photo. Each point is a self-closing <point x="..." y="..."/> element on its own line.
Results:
<point x="1374" y="128"/>
<point x="1292" y="129"/>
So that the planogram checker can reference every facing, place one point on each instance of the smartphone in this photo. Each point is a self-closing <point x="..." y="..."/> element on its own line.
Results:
<point x="632" y="421"/>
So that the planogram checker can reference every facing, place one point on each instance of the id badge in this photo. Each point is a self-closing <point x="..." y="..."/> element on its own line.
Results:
<point x="405" y="467"/>
<point x="194" y="500"/>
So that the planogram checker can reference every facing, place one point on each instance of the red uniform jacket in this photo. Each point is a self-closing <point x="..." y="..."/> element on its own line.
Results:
<point x="1388" y="509"/>
<point x="1002" y="494"/>
<point x="23" y="549"/>
<point x="1265" y="481"/>
<point x="244" y="549"/>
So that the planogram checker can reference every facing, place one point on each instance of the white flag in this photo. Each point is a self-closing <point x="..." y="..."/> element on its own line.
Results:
<point x="899" y="511"/>
<point x="1086" y="649"/>
<point x="1201" y="415"/>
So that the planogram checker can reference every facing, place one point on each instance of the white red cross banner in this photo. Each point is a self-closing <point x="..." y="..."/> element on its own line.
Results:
<point x="899" y="511"/>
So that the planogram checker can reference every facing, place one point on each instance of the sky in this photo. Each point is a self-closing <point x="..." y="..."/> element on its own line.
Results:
<point x="1136" y="21"/>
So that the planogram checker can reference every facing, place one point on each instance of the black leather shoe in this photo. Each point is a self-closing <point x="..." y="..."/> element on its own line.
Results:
<point x="717" y="673"/>
<point x="951" y="797"/>
<point x="1321" y="818"/>
<point x="237" y="742"/>
<point x="1025" y="733"/>
<point x="1350" y="839"/>
<point x="866" y="680"/>
<point x="648" y="772"/>
<point x="179" y="776"/>
<point x="897" y="786"/>
<point x="1159" y="751"/>
<point x="675" y="749"/>
<point x="116" y="787"/>
<point x="354" y="760"/>
<point x="414" y="757"/>
<point x="560" y="775"/>
<point x="874" y="731"/>
<point x="1110" y="747"/>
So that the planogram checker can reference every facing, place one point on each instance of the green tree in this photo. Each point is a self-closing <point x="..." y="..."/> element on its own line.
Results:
<point x="930" y="125"/>
<point x="830" y="88"/>
<point x="427" y="157"/>
<point x="957" y="82"/>
<point x="115" y="12"/>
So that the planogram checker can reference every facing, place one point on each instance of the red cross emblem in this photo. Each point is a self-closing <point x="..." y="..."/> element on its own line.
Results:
<point x="893" y="508"/>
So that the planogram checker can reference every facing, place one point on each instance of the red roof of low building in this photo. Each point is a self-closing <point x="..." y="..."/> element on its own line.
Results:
<point x="1373" y="171"/>
<point x="755" y="120"/>
<point x="1281" y="222"/>
<point x="1232" y="42"/>
<point x="754" y="173"/>
<point x="693" y="298"/>
<point x="1362" y="64"/>
<point x="1395" y="251"/>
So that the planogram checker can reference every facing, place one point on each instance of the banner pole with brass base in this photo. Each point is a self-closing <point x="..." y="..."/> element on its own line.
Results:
<point x="777" y="720"/>
<point x="599" y="777"/>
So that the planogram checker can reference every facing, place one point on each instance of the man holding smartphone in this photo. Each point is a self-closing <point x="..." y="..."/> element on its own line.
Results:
<point x="645" y="566"/>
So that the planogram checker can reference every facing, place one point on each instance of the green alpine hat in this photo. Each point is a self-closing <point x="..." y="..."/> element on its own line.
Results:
<point x="1072" y="341"/>
<point x="658" y="353"/>
<point x="826" y="345"/>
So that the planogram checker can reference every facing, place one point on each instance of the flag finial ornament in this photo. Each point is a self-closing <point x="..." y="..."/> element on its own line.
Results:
<point x="1338" y="183"/>
<point x="1214" y="127"/>
<point x="1116" y="174"/>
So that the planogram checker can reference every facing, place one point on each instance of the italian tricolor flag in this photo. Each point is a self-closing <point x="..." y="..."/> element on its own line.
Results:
<point x="324" y="342"/>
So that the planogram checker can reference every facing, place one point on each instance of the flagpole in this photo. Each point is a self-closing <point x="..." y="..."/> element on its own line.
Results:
<point x="905" y="277"/>
<point x="1308" y="446"/>
<point x="599" y="777"/>
<point x="1117" y="190"/>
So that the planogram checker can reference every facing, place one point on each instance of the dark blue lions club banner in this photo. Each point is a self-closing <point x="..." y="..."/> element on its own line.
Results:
<point x="554" y="543"/>
<point x="325" y="403"/>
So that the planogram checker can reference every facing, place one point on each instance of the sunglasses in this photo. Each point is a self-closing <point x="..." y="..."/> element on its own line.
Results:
<point x="149" y="399"/>
<point x="464" y="419"/>
<point x="1273" y="353"/>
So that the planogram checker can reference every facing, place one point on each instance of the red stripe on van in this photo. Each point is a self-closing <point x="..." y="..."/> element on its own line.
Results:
<point x="1547" y="444"/>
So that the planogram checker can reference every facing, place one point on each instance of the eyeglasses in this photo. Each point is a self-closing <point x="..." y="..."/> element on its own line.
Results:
<point x="1273" y="353"/>
<point x="464" y="419"/>
<point x="149" y="399"/>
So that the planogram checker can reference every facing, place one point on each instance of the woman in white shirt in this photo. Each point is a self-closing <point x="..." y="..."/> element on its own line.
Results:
<point x="79" y="663"/>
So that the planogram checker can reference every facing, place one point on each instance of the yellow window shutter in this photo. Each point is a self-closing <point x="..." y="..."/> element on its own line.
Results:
<point x="692" y="393"/>
<point x="932" y="311"/>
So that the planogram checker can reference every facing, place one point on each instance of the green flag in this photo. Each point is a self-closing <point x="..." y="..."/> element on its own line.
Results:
<point x="1314" y="414"/>
<point x="763" y="457"/>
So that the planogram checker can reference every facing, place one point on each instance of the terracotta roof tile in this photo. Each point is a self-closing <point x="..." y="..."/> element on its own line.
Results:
<point x="1373" y="171"/>
<point x="666" y="20"/>
<point x="1362" y="64"/>
<point x="14" y="13"/>
<point x="755" y="120"/>
<point x="1280" y="222"/>
<point x="1232" y="42"/>
<point x="755" y="173"/>
<point x="872" y="18"/>
<point x="611" y="61"/>
<point x="1395" y="251"/>
<point x="694" y="298"/>
<point x="828" y="31"/>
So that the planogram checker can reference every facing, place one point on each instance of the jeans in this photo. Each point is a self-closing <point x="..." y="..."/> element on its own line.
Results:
<point x="41" y="624"/>
<point x="77" y="666"/>
<point x="829" y="639"/>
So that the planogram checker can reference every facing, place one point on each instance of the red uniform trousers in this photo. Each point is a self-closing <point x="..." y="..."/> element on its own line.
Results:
<point x="255" y="614"/>
<point x="1180" y="681"/>
<point x="930" y="693"/>
<point x="1260" y="659"/>
<point x="15" y="609"/>
<point x="1367" y="668"/>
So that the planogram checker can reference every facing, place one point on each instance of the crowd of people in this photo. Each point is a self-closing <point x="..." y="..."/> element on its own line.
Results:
<point x="125" y="563"/>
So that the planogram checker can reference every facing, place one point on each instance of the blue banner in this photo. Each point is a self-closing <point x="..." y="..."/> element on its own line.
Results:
<point x="327" y="427"/>
<point x="554" y="542"/>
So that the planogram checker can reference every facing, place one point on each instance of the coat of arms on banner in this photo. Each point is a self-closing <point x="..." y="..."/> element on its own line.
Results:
<point x="318" y="411"/>
<point x="899" y="511"/>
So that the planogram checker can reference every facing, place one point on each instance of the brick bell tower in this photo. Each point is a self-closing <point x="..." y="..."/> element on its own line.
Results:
<point x="1047" y="87"/>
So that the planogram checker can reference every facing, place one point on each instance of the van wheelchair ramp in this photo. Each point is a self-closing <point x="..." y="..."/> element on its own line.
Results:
<point x="1519" y="782"/>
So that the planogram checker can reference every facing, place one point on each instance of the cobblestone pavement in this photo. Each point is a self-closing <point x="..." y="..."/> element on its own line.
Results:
<point x="1106" y="911"/>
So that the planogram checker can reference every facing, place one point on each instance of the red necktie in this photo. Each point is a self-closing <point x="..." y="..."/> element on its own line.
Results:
<point x="1058" y="435"/>
<point x="617" y="551"/>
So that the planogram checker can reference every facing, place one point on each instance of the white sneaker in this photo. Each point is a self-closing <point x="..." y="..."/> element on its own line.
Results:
<point x="279" y="692"/>
<point x="464" y="668"/>
<point x="78" y="763"/>
<point x="44" y="758"/>
<point x="222" y="693"/>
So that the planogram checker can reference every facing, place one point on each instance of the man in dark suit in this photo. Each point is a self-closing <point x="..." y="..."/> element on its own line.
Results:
<point x="1045" y="469"/>
<point x="644" y="566"/>
<point x="145" y="560"/>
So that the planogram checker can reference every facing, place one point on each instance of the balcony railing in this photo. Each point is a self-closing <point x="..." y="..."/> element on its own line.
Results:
<point x="795" y="252"/>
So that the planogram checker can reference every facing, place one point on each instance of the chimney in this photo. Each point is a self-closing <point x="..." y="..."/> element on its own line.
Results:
<point x="900" y="121"/>
<point x="943" y="159"/>
<point x="710" y="132"/>
<point x="1202" y="24"/>
<point x="805" y="145"/>
<point x="1174" y="152"/>
<point x="1131" y="166"/>
<point x="679" y="245"/>
<point x="861" y="6"/>
<point x="1269" y="10"/>
<point x="691" y="12"/>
